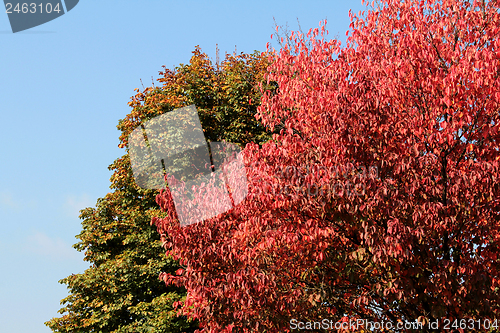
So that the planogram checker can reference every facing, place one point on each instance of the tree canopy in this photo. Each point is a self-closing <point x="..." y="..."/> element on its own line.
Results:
<point x="378" y="199"/>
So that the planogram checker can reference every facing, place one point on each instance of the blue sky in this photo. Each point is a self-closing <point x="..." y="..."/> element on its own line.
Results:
<point x="63" y="87"/>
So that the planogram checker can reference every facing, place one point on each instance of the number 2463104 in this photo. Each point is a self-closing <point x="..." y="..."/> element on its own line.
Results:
<point x="32" y="8"/>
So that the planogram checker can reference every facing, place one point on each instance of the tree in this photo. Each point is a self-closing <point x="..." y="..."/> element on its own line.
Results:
<point x="121" y="291"/>
<point x="378" y="200"/>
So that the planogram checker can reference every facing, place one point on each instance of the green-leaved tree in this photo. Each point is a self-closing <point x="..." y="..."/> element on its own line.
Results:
<point x="121" y="291"/>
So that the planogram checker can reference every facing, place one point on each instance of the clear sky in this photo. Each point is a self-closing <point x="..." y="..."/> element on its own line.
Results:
<point x="63" y="87"/>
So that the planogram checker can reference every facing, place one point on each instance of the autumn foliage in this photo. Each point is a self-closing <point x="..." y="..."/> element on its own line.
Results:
<point x="379" y="197"/>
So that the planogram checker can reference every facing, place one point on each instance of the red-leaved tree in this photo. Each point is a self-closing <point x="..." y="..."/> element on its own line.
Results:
<point x="379" y="199"/>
